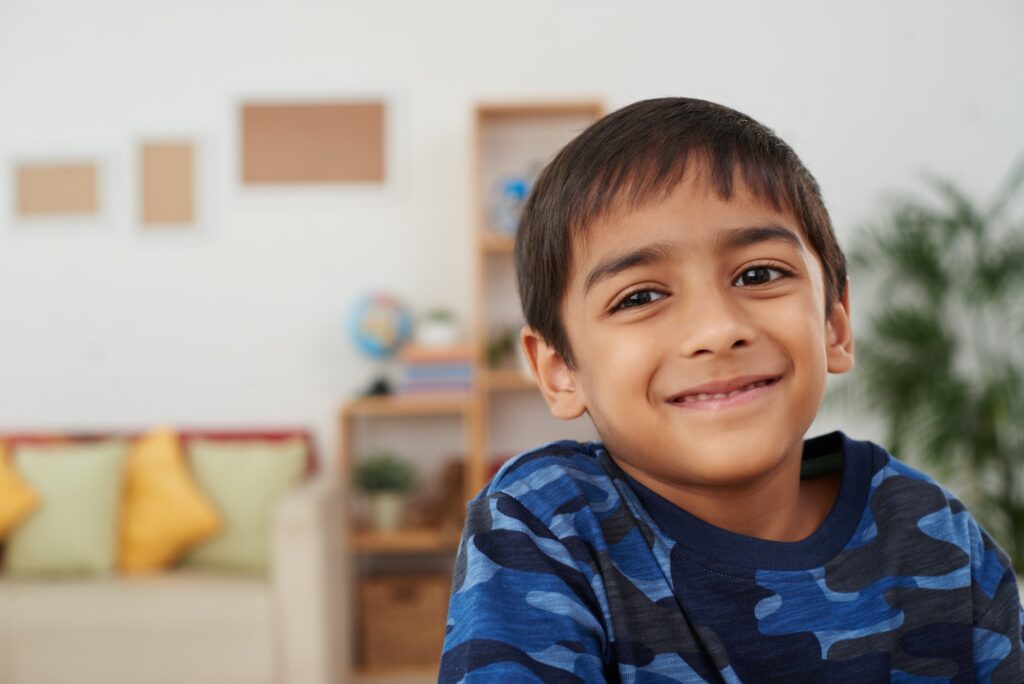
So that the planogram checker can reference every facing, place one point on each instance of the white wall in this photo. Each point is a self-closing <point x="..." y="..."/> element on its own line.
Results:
<point x="241" y="322"/>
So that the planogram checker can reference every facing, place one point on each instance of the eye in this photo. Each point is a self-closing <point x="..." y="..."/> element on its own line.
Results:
<point x="760" y="275"/>
<point x="638" y="298"/>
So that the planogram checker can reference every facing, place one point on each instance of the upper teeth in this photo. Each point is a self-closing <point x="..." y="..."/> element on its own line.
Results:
<point x="704" y="396"/>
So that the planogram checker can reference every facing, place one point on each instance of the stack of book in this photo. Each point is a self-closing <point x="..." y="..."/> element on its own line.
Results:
<point x="435" y="370"/>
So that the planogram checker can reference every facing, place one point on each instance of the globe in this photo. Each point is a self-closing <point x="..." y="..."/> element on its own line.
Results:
<point x="379" y="324"/>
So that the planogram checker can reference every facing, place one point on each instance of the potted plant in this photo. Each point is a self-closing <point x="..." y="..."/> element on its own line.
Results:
<point x="438" y="327"/>
<point x="942" y="357"/>
<point x="385" y="478"/>
<point x="501" y="346"/>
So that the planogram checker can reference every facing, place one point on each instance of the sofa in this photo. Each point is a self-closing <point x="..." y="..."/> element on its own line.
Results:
<point x="284" y="626"/>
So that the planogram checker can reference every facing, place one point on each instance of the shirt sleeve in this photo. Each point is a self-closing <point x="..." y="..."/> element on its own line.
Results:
<point x="998" y="654"/>
<point x="522" y="608"/>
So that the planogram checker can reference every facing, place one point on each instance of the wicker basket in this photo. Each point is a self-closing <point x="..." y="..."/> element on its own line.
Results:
<point x="403" y="619"/>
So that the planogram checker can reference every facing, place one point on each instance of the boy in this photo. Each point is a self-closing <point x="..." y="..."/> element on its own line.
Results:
<point x="682" y="286"/>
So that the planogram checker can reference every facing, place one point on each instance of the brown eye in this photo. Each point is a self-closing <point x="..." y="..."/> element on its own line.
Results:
<point x="759" y="275"/>
<point x="638" y="298"/>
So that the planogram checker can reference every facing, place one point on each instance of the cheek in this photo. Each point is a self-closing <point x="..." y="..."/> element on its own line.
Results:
<point x="616" y="367"/>
<point x="801" y="329"/>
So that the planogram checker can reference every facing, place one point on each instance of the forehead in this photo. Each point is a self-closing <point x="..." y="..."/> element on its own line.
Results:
<point x="692" y="216"/>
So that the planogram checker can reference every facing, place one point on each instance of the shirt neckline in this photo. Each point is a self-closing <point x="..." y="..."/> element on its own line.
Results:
<point x="716" y="544"/>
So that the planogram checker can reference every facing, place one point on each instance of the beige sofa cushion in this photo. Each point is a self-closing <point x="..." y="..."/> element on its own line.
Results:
<point x="162" y="629"/>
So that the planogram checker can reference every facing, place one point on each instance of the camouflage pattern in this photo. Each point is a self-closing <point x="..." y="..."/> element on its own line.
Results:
<point x="569" y="571"/>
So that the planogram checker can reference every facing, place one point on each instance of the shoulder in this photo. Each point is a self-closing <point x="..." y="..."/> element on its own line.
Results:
<point x="565" y="458"/>
<point x="553" y="481"/>
<point x="899" y="489"/>
<point x="914" y="507"/>
<point x="907" y="497"/>
<point x="540" y="515"/>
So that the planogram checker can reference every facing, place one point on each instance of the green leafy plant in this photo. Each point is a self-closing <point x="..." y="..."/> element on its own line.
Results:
<point x="440" y="315"/>
<point x="384" y="472"/>
<point x="942" y="357"/>
<point x="502" y="346"/>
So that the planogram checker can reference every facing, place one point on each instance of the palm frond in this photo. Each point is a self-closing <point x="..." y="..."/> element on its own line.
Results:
<point x="1008" y="192"/>
<point x="999" y="272"/>
<point x="938" y="358"/>
<point x="962" y="213"/>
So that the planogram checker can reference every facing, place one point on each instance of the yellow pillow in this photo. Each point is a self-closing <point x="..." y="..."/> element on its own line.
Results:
<point x="164" y="511"/>
<point x="17" y="499"/>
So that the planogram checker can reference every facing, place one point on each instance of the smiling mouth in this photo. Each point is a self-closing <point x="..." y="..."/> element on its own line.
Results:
<point x="724" y="399"/>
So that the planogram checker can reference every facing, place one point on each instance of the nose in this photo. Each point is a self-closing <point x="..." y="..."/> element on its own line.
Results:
<point x="713" y="323"/>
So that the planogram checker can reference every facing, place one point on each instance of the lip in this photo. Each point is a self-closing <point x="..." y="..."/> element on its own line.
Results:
<point x="724" y="387"/>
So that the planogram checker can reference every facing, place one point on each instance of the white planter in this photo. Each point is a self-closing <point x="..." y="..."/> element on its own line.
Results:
<point x="437" y="333"/>
<point x="387" y="510"/>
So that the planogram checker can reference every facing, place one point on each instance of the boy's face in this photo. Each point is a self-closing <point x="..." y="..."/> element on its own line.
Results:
<point x="670" y="307"/>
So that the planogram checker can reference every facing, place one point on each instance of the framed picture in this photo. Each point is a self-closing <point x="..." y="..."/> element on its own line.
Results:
<point x="314" y="142"/>
<point x="167" y="184"/>
<point x="56" y="190"/>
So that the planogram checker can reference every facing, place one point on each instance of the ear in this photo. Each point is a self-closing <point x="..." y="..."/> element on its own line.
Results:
<point x="556" y="381"/>
<point x="839" y="334"/>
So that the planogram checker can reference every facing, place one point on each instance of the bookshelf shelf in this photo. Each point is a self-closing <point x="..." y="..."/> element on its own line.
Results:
<point x="413" y="540"/>
<point x="411" y="405"/>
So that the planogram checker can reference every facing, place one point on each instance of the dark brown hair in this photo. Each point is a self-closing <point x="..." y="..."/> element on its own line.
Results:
<point x="638" y="154"/>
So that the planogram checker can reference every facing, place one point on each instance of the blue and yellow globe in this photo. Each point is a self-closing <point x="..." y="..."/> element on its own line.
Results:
<point x="379" y="324"/>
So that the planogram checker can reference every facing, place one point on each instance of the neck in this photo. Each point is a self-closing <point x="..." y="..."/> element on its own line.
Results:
<point x="775" y="506"/>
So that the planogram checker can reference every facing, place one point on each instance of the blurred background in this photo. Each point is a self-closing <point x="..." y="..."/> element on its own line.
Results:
<point x="223" y="224"/>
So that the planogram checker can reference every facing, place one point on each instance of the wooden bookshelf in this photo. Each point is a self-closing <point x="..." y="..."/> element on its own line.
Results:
<point x="508" y="137"/>
<point x="505" y="135"/>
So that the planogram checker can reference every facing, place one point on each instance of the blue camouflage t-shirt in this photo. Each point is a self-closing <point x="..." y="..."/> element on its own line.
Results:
<point x="570" y="571"/>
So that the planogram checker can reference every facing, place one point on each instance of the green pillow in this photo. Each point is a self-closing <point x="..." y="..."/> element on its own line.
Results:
<point x="75" y="528"/>
<point x="244" y="479"/>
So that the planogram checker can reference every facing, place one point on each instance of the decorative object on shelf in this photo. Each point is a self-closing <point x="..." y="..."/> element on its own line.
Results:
<point x="379" y="325"/>
<point x="941" y="359"/>
<point x="435" y="369"/>
<point x="385" y="478"/>
<point x="442" y="506"/>
<point x="438" y="327"/>
<point x="501" y="346"/>
<point x="507" y="204"/>
<point x="508" y="198"/>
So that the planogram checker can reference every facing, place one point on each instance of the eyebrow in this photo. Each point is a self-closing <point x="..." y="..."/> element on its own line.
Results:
<point x="648" y="254"/>
<point x="661" y="251"/>
<point x="744" y="237"/>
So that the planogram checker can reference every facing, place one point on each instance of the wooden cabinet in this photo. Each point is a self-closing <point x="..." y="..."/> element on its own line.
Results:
<point x="503" y="413"/>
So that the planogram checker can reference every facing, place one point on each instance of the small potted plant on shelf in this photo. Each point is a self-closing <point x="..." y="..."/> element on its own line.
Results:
<point x="438" y="327"/>
<point x="501" y="346"/>
<point x="386" y="479"/>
